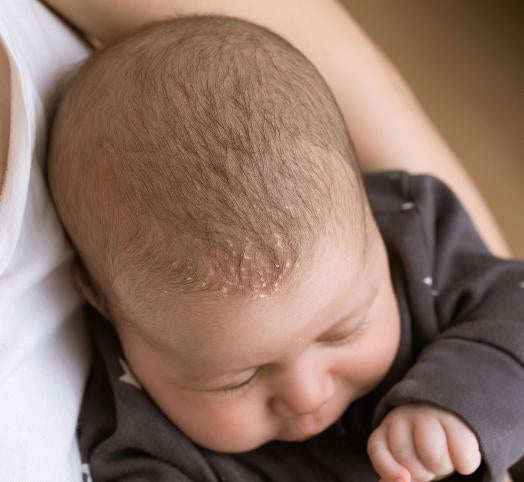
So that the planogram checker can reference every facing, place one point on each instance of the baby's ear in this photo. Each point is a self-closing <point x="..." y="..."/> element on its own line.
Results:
<point x="87" y="288"/>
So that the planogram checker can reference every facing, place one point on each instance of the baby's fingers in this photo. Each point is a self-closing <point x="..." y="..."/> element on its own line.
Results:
<point x="382" y="460"/>
<point x="432" y="446"/>
<point x="462" y="445"/>
<point x="402" y="446"/>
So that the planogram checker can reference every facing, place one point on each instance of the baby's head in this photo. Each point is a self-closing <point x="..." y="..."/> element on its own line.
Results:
<point x="205" y="175"/>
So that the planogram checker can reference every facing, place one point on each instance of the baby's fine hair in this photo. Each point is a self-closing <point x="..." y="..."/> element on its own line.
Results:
<point x="202" y="154"/>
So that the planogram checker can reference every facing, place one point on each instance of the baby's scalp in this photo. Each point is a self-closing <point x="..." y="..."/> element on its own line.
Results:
<point x="201" y="155"/>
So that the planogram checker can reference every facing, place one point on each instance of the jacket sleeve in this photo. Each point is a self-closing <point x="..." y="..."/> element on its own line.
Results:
<point x="475" y="366"/>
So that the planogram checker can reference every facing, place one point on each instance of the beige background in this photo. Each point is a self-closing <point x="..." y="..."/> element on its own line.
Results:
<point x="465" y="62"/>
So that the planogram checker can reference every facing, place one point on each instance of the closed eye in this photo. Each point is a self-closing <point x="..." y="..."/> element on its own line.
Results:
<point x="337" y="338"/>
<point x="346" y="336"/>
<point x="240" y="387"/>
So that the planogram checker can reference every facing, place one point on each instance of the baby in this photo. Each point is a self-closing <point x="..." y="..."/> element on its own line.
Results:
<point x="264" y="293"/>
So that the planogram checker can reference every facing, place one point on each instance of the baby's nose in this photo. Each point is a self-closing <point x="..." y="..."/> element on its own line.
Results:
<point x="302" y="393"/>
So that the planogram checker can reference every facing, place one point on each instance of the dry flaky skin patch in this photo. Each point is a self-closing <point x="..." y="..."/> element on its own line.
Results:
<point x="215" y="264"/>
<point x="242" y="269"/>
<point x="253" y="274"/>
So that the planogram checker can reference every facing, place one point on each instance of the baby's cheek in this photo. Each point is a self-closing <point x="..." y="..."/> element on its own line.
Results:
<point x="376" y="353"/>
<point x="385" y="338"/>
<point x="223" y="426"/>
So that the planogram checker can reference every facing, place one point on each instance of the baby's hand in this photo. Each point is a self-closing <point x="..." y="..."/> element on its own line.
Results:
<point x="420" y="443"/>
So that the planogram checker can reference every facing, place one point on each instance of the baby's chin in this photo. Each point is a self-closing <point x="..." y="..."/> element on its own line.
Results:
<point x="232" y="446"/>
<point x="290" y="432"/>
<point x="290" y="435"/>
<point x="302" y="430"/>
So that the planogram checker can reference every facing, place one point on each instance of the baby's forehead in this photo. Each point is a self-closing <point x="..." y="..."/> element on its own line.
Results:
<point x="237" y="271"/>
<point x="202" y="329"/>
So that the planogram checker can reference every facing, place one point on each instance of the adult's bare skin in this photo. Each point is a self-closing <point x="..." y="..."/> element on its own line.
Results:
<point x="387" y="124"/>
<point x="5" y="113"/>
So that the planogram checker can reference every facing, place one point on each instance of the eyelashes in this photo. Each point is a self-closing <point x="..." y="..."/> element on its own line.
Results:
<point x="338" y="339"/>
<point x="347" y="337"/>
<point x="241" y="388"/>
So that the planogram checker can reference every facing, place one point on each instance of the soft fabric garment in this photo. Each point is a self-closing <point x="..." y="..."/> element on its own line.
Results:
<point x="43" y="344"/>
<point x="461" y="348"/>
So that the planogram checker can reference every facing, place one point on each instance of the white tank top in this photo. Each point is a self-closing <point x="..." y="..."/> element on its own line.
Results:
<point x="43" y="350"/>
